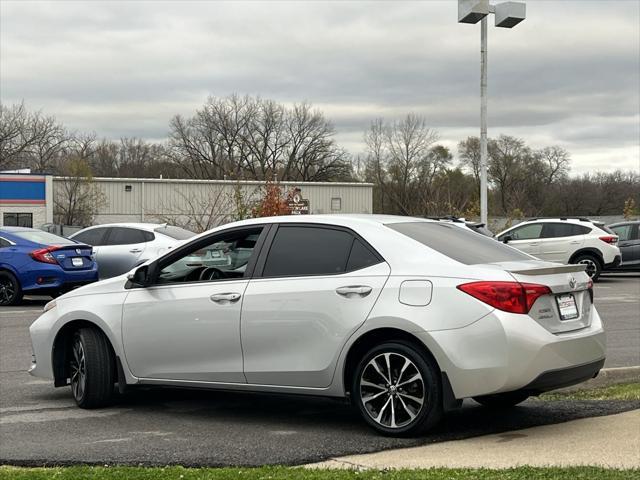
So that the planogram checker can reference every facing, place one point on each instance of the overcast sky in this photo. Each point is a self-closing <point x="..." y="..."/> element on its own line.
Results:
<point x="568" y="75"/>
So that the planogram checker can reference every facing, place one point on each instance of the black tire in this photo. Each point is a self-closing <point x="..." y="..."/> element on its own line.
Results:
<point x="502" y="400"/>
<point x="10" y="291"/>
<point x="425" y="415"/>
<point x="97" y="389"/>
<point x="593" y="263"/>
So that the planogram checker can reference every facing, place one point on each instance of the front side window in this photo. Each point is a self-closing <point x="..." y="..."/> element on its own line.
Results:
<point x="458" y="243"/>
<point x="93" y="237"/>
<point x="302" y="250"/>
<point x="223" y="257"/>
<point x="526" y="232"/>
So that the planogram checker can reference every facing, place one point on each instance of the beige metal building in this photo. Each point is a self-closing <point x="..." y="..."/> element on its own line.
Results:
<point x="151" y="200"/>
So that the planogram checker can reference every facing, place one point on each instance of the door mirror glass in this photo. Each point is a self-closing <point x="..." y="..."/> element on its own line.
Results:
<point x="142" y="276"/>
<point x="507" y="238"/>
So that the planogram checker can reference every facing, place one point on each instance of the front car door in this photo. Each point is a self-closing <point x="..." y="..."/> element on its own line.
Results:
<point x="121" y="251"/>
<point x="525" y="238"/>
<point x="629" y="243"/>
<point x="313" y="287"/>
<point x="186" y="326"/>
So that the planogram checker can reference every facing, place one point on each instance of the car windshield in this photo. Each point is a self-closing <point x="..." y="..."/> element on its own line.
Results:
<point x="459" y="244"/>
<point x="174" y="232"/>
<point x="43" y="238"/>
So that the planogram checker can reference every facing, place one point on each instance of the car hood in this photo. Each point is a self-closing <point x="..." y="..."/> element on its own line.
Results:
<point x="110" y="285"/>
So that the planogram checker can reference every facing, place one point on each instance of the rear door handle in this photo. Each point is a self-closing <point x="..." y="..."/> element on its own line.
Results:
<point x="225" y="297"/>
<point x="534" y="244"/>
<point x="354" y="290"/>
<point x="135" y="250"/>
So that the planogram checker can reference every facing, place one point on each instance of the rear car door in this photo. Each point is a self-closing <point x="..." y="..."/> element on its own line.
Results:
<point x="314" y="285"/>
<point x="122" y="249"/>
<point x="525" y="238"/>
<point x="629" y="243"/>
<point x="559" y="241"/>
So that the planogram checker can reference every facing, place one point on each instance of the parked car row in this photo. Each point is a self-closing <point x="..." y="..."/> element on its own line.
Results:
<point x="40" y="263"/>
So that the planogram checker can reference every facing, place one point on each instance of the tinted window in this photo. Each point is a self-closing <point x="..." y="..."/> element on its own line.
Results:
<point x="44" y="238"/>
<point x="174" y="232"/>
<point x="308" y="251"/>
<point x="18" y="220"/>
<point x="93" y="237"/>
<point x="361" y="257"/>
<point x="459" y="244"/>
<point x="526" y="232"/>
<point x="4" y="243"/>
<point x="223" y="256"/>
<point x="555" y="230"/>
<point x="623" y="232"/>
<point x="125" y="236"/>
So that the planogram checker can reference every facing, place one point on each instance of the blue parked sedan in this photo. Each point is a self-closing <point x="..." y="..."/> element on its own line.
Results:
<point x="41" y="263"/>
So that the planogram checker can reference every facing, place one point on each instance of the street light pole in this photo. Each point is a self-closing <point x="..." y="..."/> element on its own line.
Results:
<point x="484" y="209"/>
<point x="507" y="15"/>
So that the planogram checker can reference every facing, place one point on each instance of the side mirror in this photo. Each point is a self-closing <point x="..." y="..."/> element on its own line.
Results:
<point x="143" y="276"/>
<point x="507" y="238"/>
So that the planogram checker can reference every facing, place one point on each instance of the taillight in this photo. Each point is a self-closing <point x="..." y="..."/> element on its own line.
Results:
<point x="44" y="254"/>
<point x="590" y="289"/>
<point x="513" y="297"/>
<point x="611" y="239"/>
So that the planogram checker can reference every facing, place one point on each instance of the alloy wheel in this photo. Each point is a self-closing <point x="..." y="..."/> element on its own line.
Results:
<point x="392" y="390"/>
<point x="7" y="290"/>
<point x="591" y="267"/>
<point x="78" y="370"/>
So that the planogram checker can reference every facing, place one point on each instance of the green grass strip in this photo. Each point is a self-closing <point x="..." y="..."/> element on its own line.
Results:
<point x="285" y="473"/>
<point x="622" y="391"/>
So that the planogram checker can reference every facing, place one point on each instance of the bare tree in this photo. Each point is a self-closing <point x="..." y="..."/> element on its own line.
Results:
<point x="77" y="199"/>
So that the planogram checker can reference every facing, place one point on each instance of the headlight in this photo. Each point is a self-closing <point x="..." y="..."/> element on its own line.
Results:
<point x="50" y="305"/>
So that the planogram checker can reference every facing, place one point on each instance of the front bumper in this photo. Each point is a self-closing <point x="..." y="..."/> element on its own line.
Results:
<point x="504" y="352"/>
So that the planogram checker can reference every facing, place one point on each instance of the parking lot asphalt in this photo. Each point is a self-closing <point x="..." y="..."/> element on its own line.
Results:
<point x="41" y="425"/>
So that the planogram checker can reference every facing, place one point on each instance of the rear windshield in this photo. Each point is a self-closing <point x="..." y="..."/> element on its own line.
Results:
<point x="175" y="232"/>
<point x="43" y="238"/>
<point x="459" y="244"/>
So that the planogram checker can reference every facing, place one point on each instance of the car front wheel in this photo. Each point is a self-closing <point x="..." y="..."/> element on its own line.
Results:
<point x="91" y="368"/>
<point x="397" y="390"/>
<point x="10" y="292"/>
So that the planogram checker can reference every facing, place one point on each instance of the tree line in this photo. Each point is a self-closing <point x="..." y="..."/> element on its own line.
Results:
<point x="250" y="138"/>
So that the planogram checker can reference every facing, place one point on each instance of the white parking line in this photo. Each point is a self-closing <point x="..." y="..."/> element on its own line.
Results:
<point x="50" y="415"/>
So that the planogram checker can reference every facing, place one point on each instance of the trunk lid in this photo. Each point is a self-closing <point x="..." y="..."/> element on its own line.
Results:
<point x="568" y="306"/>
<point x="74" y="257"/>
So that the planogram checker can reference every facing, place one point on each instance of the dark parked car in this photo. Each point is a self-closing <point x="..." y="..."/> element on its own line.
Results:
<point x="629" y="242"/>
<point x="41" y="263"/>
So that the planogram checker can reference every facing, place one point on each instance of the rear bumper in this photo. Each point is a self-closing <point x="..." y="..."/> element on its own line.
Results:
<point x="564" y="377"/>
<point x="615" y="264"/>
<point x="505" y="352"/>
<point x="56" y="279"/>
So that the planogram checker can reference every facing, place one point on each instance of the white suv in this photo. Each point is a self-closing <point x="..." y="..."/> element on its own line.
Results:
<point x="566" y="240"/>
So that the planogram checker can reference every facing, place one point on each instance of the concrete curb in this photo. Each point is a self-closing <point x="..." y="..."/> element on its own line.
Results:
<point x="609" y="376"/>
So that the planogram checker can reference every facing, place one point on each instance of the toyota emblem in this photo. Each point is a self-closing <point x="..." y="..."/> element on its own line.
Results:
<point x="573" y="283"/>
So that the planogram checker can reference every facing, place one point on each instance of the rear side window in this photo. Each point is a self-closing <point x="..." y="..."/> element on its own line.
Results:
<point x="298" y="251"/>
<point x="361" y="256"/>
<point x="127" y="236"/>
<point x="4" y="243"/>
<point x="459" y="244"/>
<point x="44" y="238"/>
<point x="555" y="230"/>
<point x="93" y="237"/>
<point x="174" y="232"/>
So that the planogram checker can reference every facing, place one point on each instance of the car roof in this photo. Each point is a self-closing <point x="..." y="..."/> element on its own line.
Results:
<point x="336" y="219"/>
<point x="16" y="229"/>
<point x="626" y="222"/>
<point x="141" y="226"/>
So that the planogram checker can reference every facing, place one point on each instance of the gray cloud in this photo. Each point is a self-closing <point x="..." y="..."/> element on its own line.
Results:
<point x="568" y="75"/>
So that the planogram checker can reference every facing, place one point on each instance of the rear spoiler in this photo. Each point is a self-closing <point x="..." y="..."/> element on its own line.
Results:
<point x="551" y="270"/>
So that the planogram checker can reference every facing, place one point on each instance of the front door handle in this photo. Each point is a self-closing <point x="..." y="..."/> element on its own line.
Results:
<point x="225" y="297"/>
<point x="354" y="290"/>
<point x="135" y="250"/>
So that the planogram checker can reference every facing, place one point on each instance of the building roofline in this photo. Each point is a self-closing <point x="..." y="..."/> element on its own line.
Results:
<point x="221" y="182"/>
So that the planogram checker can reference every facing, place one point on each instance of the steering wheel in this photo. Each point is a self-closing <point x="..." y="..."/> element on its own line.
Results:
<point x="211" y="273"/>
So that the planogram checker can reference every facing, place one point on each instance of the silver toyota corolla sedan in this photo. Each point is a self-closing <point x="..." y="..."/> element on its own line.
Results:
<point x="404" y="316"/>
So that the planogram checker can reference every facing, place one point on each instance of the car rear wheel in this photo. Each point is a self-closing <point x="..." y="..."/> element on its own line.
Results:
<point x="397" y="390"/>
<point x="593" y="266"/>
<point x="91" y="368"/>
<point x="10" y="291"/>
<point x="502" y="400"/>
